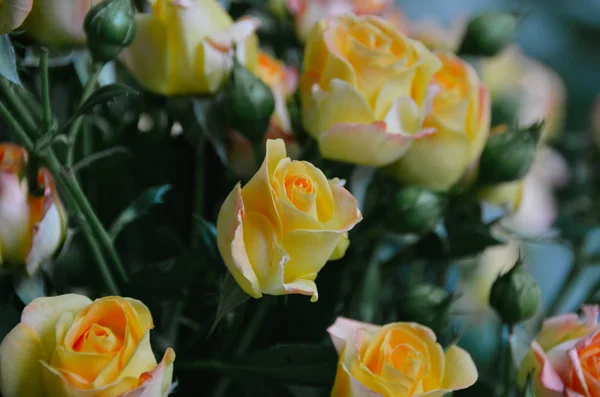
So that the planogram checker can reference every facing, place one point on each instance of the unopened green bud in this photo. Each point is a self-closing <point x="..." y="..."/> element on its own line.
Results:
<point x="249" y="103"/>
<point x="489" y="33"/>
<point x="417" y="210"/>
<point x="508" y="155"/>
<point x="427" y="304"/>
<point x="109" y="26"/>
<point x="515" y="295"/>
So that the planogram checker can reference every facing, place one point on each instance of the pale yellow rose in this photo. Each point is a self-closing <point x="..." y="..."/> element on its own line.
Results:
<point x="536" y="91"/>
<point x="278" y="231"/>
<point x="283" y="81"/>
<point x="13" y="13"/>
<point x="187" y="47"/>
<point x="396" y="360"/>
<point x="32" y="228"/>
<point x="365" y="89"/>
<point x="67" y="346"/>
<point x="460" y="121"/>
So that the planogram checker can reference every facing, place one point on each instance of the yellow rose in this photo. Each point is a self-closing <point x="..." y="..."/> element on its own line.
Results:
<point x="69" y="346"/>
<point x="396" y="360"/>
<point x="32" y="228"/>
<point x="283" y="81"/>
<point x="460" y="119"/>
<point x="364" y="89"/>
<point x="51" y="22"/>
<point x="189" y="45"/>
<point x="278" y="231"/>
<point x="535" y="91"/>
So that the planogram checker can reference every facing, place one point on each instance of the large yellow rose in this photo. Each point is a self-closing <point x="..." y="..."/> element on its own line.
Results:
<point x="67" y="346"/>
<point x="365" y="89"/>
<point x="460" y="117"/>
<point x="278" y="231"/>
<point x="189" y="45"/>
<point x="32" y="228"/>
<point x="396" y="360"/>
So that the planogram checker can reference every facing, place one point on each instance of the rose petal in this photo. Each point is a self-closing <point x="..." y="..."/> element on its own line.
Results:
<point x="363" y="144"/>
<point x="42" y="314"/>
<point x="20" y="372"/>
<point x="343" y="331"/>
<point x="548" y="376"/>
<point x="460" y="371"/>
<point x="156" y="383"/>
<point x="13" y="13"/>
<point x="230" y="240"/>
<point x="48" y="236"/>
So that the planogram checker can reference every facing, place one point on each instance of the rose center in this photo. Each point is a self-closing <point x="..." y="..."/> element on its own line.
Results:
<point x="98" y="339"/>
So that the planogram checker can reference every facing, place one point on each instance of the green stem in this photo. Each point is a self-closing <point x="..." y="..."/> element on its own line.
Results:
<point x="17" y="106"/>
<point x="508" y="365"/>
<point x="249" y="335"/>
<point x="198" y="195"/>
<point x="47" y="114"/>
<point x="90" y="84"/>
<point x="55" y="168"/>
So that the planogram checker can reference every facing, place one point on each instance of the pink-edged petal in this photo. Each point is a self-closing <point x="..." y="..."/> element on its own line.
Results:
<point x="590" y="313"/>
<point x="20" y="371"/>
<point x="363" y="144"/>
<point x="548" y="376"/>
<point x="569" y="393"/>
<point x="303" y="287"/>
<point x="156" y="383"/>
<point x="48" y="237"/>
<point x="230" y="240"/>
<point x="344" y="330"/>
<point x="346" y="213"/>
<point x="13" y="13"/>
<point x="224" y="40"/>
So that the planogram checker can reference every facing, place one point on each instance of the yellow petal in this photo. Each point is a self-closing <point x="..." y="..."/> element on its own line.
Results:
<point x="42" y="315"/>
<point x="364" y="144"/>
<point x="257" y="194"/>
<point x="13" y="13"/>
<point x="149" y="43"/>
<point x="461" y="371"/>
<point x="436" y="161"/>
<point x="230" y="240"/>
<point x="340" y="248"/>
<point x="156" y="383"/>
<point x="20" y="371"/>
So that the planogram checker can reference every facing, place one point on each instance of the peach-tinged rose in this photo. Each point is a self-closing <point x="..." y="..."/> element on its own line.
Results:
<point x="283" y="81"/>
<point x="69" y="346"/>
<point x="58" y="22"/>
<point x="460" y="119"/>
<point x="564" y="355"/>
<point x="191" y="47"/>
<point x="365" y="89"/>
<point x="396" y="360"/>
<point x="536" y="91"/>
<point x="13" y="13"/>
<point x="32" y="228"/>
<point x="308" y="12"/>
<point x="278" y="231"/>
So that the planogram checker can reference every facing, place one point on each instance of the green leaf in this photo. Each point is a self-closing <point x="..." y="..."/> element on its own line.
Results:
<point x="8" y="61"/>
<point x="207" y="116"/>
<point x="230" y="297"/>
<point x="102" y="95"/>
<point x="138" y="208"/>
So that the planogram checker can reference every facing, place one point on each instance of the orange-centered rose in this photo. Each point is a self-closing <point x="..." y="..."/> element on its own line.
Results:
<point x="365" y="90"/>
<point x="396" y="360"/>
<point x="278" y="231"/>
<point x="68" y="346"/>
<point x="460" y="117"/>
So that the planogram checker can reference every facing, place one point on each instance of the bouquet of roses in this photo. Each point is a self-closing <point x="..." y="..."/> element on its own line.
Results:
<point x="298" y="198"/>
